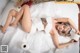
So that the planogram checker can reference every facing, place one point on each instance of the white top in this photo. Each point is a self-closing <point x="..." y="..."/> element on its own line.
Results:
<point x="49" y="24"/>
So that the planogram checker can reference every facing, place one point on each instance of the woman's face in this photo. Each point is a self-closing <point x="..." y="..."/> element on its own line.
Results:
<point x="63" y="28"/>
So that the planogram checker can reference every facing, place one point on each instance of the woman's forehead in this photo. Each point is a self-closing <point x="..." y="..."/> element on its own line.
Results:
<point x="62" y="23"/>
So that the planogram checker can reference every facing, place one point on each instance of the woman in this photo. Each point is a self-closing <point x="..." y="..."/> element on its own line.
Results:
<point x="63" y="29"/>
<point x="24" y="17"/>
<point x="60" y="27"/>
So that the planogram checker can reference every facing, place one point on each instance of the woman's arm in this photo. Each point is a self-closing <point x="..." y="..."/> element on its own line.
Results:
<point x="73" y="25"/>
<point x="61" y="19"/>
<point x="56" y="41"/>
<point x="69" y="21"/>
<point x="54" y="36"/>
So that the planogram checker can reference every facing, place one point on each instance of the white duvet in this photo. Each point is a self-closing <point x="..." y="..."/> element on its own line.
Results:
<point x="41" y="42"/>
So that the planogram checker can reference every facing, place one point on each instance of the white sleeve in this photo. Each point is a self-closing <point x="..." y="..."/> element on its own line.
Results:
<point x="49" y="24"/>
<point x="39" y="25"/>
<point x="74" y="35"/>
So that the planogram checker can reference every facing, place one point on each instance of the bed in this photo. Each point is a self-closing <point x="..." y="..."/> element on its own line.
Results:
<point x="14" y="38"/>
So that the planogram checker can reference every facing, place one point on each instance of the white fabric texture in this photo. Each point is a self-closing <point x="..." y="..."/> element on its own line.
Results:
<point x="38" y="41"/>
<point x="49" y="24"/>
<point x="38" y="24"/>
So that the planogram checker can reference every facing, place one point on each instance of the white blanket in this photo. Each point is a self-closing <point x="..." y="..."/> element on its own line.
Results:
<point x="38" y="42"/>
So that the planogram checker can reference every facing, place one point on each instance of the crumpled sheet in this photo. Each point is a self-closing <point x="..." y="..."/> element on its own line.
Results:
<point x="38" y="42"/>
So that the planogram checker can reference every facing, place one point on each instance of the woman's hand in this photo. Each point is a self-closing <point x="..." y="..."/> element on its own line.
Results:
<point x="78" y="32"/>
<point x="3" y="30"/>
<point x="72" y="41"/>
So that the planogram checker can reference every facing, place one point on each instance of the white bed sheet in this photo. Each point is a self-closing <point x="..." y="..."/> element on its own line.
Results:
<point x="38" y="43"/>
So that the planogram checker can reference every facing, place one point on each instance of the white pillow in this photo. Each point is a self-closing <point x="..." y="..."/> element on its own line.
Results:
<point x="9" y="6"/>
<point x="2" y="5"/>
<point x="67" y="10"/>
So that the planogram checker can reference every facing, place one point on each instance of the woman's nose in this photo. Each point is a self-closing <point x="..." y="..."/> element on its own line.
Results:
<point x="60" y="28"/>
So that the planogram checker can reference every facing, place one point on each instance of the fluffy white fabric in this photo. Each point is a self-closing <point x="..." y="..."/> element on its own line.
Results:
<point x="74" y="36"/>
<point x="38" y="24"/>
<point x="43" y="10"/>
<point x="49" y="24"/>
<point x="38" y="41"/>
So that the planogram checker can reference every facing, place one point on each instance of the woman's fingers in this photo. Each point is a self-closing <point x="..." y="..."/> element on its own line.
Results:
<point x="3" y="30"/>
<point x="71" y="41"/>
<point x="78" y="32"/>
